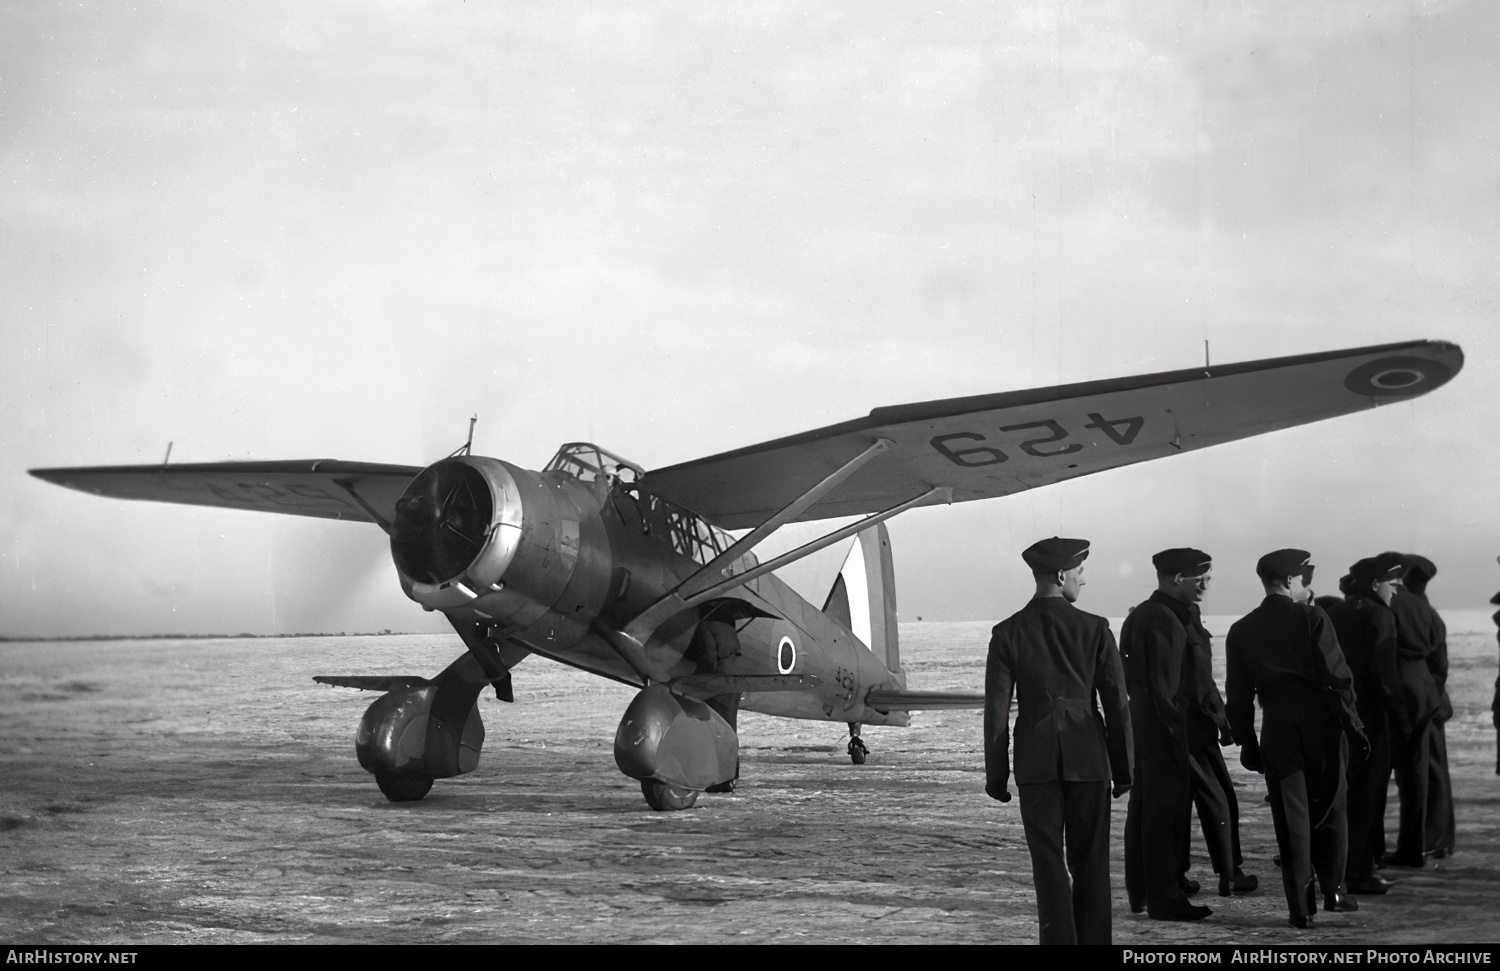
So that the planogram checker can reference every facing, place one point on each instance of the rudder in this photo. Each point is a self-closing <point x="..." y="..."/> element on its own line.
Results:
<point x="863" y="597"/>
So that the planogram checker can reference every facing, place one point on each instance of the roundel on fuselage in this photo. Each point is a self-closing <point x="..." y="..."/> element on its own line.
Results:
<point x="786" y="655"/>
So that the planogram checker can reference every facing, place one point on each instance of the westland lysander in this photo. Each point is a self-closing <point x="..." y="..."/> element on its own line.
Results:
<point x="634" y="575"/>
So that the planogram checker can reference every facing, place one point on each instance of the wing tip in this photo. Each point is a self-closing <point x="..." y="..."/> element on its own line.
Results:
<point x="1405" y="371"/>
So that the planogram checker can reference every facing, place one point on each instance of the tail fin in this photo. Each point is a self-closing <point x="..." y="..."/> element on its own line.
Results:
<point x="863" y="597"/>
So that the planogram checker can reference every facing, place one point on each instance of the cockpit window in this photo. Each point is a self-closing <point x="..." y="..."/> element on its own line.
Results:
<point x="687" y="532"/>
<point x="684" y="530"/>
<point x="588" y="462"/>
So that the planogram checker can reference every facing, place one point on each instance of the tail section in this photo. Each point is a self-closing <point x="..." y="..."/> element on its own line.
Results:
<point x="863" y="597"/>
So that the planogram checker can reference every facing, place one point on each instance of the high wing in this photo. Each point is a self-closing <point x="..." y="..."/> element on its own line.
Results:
<point x="325" y="488"/>
<point x="998" y="444"/>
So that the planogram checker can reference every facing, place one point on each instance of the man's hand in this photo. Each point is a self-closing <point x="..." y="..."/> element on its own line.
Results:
<point x="1226" y="737"/>
<point x="997" y="792"/>
<point x="1251" y="760"/>
<point x="1362" y="742"/>
<point x="1119" y="791"/>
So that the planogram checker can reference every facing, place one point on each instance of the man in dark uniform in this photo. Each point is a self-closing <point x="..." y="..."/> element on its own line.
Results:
<point x="1414" y="609"/>
<point x="1161" y="676"/>
<point x="1412" y="714"/>
<point x="1367" y="633"/>
<point x="1057" y="660"/>
<point x="1213" y="788"/>
<point x="1495" y="704"/>
<point x="1285" y="653"/>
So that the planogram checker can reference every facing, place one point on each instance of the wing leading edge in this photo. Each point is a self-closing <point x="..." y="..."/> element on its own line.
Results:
<point x="995" y="445"/>
<point x="324" y="488"/>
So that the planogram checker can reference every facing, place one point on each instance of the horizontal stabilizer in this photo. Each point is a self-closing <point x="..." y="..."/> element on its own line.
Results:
<point x="703" y="686"/>
<point x="373" y="682"/>
<point x="922" y="700"/>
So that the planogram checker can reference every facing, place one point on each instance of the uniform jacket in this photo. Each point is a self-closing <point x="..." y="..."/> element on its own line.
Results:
<point x="1285" y="651"/>
<point x="1417" y="620"/>
<point x="1057" y="660"/>
<point x="1160" y="668"/>
<point x="1495" y="703"/>
<point x="1418" y="660"/>
<point x="1371" y="653"/>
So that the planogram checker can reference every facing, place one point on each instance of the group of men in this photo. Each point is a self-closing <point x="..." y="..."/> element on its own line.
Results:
<point x="1351" y="690"/>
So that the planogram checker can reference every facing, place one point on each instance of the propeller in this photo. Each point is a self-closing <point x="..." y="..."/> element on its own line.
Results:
<point x="441" y="522"/>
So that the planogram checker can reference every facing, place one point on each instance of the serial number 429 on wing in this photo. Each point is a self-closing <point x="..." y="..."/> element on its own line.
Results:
<point x="1121" y="431"/>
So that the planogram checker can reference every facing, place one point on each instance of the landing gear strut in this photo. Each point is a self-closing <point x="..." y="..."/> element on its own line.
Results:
<point x="857" y="751"/>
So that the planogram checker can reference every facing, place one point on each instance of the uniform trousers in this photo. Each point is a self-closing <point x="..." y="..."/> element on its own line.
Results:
<point x="1411" y="748"/>
<point x="1067" y="831"/>
<point x="1313" y="838"/>
<point x="1409" y="759"/>
<point x="1157" y="818"/>
<point x="1369" y="780"/>
<point x="1305" y="757"/>
<point x="1440" y="821"/>
<point x="1213" y="794"/>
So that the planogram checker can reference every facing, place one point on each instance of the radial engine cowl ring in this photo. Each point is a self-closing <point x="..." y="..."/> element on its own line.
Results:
<point x="456" y="529"/>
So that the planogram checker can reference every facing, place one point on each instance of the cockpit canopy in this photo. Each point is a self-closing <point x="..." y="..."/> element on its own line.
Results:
<point x="687" y="532"/>
<point x="587" y="462"/>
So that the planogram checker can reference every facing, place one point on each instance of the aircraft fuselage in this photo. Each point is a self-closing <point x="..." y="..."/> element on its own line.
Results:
<point x="545" y="559"/>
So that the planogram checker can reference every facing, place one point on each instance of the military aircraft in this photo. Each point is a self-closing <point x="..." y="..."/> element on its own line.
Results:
<point x="633" y="575"/>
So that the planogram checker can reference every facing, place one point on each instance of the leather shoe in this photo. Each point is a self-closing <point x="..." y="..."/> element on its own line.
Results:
<point x="1137" y="906"/>
<point x="1414" y="862"/>
<point x="1187" y="913"/>
<point x="1336" y="901"/>
<point x="1370" y="885"/>
<point x="1189" y="886"/>
<point x="1301" y="923"/>
<point x="1240" y="883"/>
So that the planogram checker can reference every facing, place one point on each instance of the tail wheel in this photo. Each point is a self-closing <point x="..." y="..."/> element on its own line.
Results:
<point x="400" y="789"/>
<point x="665" y="798"/>
<point x="857" y="751"/>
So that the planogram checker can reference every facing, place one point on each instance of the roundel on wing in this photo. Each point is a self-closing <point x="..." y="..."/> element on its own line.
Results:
<point x="1389" y="377"/>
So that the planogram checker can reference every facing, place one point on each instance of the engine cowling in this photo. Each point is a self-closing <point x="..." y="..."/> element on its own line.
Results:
<point x="481" y="539"/>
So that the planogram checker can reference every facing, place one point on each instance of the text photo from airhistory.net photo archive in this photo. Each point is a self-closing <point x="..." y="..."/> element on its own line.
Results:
<point x="751" y="473"/>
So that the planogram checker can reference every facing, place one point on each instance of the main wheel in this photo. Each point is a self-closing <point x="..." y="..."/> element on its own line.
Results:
<point x="665" y="798"/>
<point x="401" y="789"/>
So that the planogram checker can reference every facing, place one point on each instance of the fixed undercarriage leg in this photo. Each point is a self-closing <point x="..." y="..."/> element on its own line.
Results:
<point x="857" y="751"/>
<point x="676" y="746"/>
<point x="430" y="730"/>
<point x="728" y="707"/>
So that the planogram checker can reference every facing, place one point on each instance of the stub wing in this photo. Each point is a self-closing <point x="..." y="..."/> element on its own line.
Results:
<point x="995" y="445"/>
<point x="325" y="488"/>
<point x="374" y="682"/>
<point x="887" y="701"/>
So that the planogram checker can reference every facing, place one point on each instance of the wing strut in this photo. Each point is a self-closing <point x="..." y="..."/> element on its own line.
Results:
<point x="720" y="565"/>
<point x="630" y="643"/>
<point x="938" y="492"/>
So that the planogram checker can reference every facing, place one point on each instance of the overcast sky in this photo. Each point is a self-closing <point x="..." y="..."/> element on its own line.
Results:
<point x="312" y="229"/>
